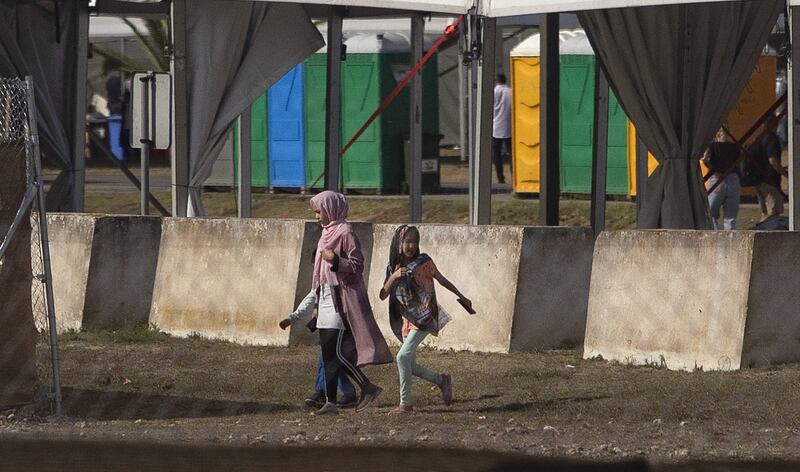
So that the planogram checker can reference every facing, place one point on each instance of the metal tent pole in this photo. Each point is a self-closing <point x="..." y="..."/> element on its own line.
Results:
<point x="333" y="102"/>
<point x="793" y="77"/>
<point x="463" y="90"/>
<point x="415" y="126"/>
<point x="549" y="174"/>
<point x="179" y="152"/>
<point x="599" y="150"/>
<point x="471" y="50"/>
<point x="79" y="125"/>
<point x="482" y="160"/>
<point x="245" y="177"/>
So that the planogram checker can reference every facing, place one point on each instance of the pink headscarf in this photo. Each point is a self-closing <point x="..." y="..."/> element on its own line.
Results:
<point x="334" y="205"/>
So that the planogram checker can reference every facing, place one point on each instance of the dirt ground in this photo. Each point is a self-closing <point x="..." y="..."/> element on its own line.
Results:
<point x="547" y="404"/>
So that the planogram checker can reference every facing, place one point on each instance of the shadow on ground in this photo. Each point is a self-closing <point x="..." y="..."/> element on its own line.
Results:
<point x="94" y="456"/>
<point x="105" y="405"/>
<point x="539" y="405"/>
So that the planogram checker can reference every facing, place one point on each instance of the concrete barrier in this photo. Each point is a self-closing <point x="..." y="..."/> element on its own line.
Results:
<point x="103" y="269"/>
<point x="71" y="237"/>
<point x="691" y="299"/>
<point x="236" y="279"/>
<point x="231" y="279"/>
<point x="122" y="272"/>
<point x="529" y="285"/>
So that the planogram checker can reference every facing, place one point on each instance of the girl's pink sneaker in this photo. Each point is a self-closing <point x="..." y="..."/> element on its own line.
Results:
<point x="402" y="410"/>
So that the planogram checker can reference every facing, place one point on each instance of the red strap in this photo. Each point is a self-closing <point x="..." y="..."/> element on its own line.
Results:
<point x="449" y="31"/>
<point x="763" y="119"/>
<point x="770" y="122"/>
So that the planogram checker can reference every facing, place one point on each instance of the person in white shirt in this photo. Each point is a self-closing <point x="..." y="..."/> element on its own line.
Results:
<point x="501" y="129"/>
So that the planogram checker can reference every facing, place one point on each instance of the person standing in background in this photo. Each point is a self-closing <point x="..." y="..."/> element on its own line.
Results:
<point x="766" y="160"/>
<point x="721" y="158"/>
<point x="501" y="128"/>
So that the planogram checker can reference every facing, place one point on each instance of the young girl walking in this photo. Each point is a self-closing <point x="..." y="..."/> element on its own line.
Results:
<point x="348" y="334"/>
<point x="414" y="312"/>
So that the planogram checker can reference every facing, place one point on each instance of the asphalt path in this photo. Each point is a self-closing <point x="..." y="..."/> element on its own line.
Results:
<point x="112" y="179"/>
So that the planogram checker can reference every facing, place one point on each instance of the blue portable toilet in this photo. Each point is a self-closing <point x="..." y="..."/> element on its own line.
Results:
<point x="114" y="132"/>
<point x="286" y="131"/>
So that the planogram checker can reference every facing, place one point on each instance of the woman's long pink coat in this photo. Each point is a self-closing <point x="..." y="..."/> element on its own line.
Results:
<point x="349" y="268"/>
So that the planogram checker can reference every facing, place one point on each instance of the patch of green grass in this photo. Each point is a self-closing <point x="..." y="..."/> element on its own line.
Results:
<point x="138" y="335"/>
<point x="71" y="335"/>
<point x="450" y="209"/>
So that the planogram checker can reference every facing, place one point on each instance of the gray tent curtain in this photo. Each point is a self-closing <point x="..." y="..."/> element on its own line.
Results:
<point x="678" y="70"/>
<point x="29" y="45"/>
<point x="234" y="52"/>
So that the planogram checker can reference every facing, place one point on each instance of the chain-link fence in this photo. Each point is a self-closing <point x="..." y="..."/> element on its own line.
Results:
<point x="20" y="219"/>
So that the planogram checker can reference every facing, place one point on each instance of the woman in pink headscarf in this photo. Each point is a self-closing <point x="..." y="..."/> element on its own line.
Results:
<point x="348" y="334"/>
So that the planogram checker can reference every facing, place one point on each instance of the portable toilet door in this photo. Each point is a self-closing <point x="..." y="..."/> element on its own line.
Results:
<point x="375" y="64"/>
<point x="287" y="135"/>
<point x="259" y="156"/>
<point x="362" y="166"/>
<point x="525" y="123"/>
<point x="314" y="81"/>
<point x="222" y="171"/>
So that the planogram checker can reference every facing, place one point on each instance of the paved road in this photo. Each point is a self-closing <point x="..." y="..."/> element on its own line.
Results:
<point x="111" y="179"/>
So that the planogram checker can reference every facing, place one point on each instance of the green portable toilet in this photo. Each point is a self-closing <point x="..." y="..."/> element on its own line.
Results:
<point x="226" y="167"/>
<point x="259" y="162"/>
<point x="374" y="65"/>
<point x="577" y="69"/>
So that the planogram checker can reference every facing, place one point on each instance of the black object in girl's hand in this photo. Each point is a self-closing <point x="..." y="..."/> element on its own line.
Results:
<point x="467" y="305"/>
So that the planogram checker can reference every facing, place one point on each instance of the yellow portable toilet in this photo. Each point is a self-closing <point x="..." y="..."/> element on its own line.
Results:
<point x="525" y="119"/>
<point x="652" y="163"/>
<point x="757" y="97"/>
<point x="576" y="104"/>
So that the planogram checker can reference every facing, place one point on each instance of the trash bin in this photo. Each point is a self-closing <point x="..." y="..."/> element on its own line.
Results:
<point x="114" y="131"/>
<point x="430" y="163"/>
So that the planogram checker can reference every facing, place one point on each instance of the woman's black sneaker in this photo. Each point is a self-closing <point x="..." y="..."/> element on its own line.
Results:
<point x="316" y="400"/>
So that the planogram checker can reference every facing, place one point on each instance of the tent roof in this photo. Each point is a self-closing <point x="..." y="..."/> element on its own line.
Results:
<point x="492" y="8"/>
<point x="386" y="35"/>
<point x="112" y="27"/>
<point x="383" y="43"/>
<point x="497" y="8"/>
<point x="379" y="43"/>
<point x="572" y="43"/>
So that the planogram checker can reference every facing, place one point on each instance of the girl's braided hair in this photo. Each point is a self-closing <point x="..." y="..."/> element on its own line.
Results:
<point x="395" y="252"/>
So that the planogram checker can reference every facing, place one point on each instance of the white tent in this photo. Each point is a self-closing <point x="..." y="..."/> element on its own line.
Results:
<point x="499" y="8"/>
<point x="572" y="43"/>
<point x="112" y="27"/>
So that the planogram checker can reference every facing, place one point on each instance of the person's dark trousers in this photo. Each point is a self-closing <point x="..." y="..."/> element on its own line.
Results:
<point x="499" y="147"/>
<point x="345" y="385"/>
<point x="339" y="355"/>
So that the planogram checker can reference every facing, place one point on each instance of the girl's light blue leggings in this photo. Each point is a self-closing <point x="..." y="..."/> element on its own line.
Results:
<point x="407" y="365"/>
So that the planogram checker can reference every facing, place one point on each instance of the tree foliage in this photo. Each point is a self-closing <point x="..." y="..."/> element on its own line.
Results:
<point x="153" y="41"/>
